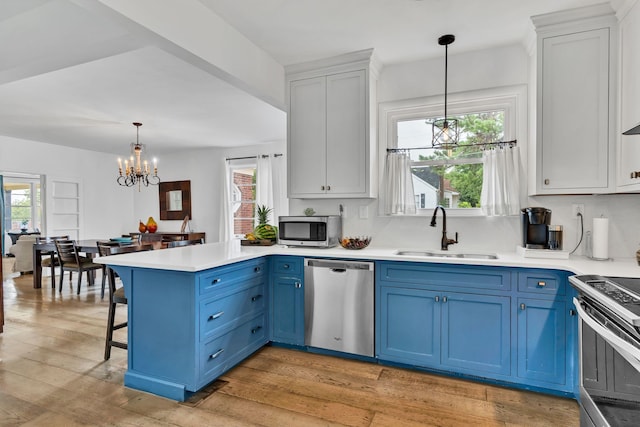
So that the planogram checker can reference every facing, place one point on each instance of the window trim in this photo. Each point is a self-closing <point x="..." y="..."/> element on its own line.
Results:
<point x="511" y="99"/>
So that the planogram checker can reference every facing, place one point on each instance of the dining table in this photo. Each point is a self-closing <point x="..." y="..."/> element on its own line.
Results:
<point x="87" y="246"/>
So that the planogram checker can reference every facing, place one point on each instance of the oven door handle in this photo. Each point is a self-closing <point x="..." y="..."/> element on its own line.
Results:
<point x="626" y="350"/>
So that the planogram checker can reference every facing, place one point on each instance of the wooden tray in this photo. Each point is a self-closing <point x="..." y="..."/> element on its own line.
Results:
<point x="263" y="242"/>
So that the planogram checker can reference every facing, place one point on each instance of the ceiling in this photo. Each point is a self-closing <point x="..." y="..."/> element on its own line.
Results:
<point x="74" y="75"/>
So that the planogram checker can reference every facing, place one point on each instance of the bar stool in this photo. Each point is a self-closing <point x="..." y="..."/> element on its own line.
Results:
<point x="117" y="296"/>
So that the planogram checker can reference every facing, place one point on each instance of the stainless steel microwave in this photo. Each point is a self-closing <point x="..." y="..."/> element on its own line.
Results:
<point x="312" y="231"/>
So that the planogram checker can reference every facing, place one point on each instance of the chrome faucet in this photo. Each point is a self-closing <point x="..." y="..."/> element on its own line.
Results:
<point x="445" y="242"/>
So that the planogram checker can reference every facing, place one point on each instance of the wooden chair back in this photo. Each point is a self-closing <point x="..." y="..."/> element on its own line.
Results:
<point x="130" y="248"/>
<point x="51" y="239"/>
<point x="177" y="243"/>
<point x="67" y="251"/>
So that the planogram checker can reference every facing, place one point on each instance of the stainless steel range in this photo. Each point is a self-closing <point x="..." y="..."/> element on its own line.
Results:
<point x="609" y="309"/>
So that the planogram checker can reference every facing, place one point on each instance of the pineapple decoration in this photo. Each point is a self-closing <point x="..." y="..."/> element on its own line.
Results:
<point x="264" y="230"/>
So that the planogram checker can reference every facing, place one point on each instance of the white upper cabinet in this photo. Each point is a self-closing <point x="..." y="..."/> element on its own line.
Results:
<point x="576" y="93"/>
<point x="330" y="143"/>
<point x="629" y="146"/>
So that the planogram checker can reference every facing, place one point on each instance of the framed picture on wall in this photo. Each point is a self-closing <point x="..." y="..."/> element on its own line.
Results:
<point x="175" y="200"/>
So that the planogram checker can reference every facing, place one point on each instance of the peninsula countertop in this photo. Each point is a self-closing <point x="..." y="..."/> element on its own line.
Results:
<point x="203" y="257"/>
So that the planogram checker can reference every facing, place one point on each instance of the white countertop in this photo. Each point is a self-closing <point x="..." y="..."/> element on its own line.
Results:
<point x="203" y="257"/>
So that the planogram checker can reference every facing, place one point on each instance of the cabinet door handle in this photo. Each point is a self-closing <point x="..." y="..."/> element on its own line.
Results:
<point x="572" y="312"/>
<point x="257" y="269"/>
<point x="298" y="285"/>
<point x="216" y="354"/>
<point x="437" y="299"/>
<point x="328" y="188"/>
<point x="256" y="298"/>
<point x="322" y="187"/>
<point x="256" y="329"/>
<point x="216" y="281"/>
<point x="444" y="299"/>
<point x="215" y="316"/>
<point x="542" y="284"/>
<point x="285" y="266"/>
<point x="523" y="306"/>
<point x="546" y="182"/>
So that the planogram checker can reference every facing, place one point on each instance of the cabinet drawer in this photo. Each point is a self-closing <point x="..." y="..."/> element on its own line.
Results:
<point x="217" y="313"/>
<point x="458" y="276"/>
<point x="223" y="352"/>
<point x="286" y="265"/>
<point x="542" y="282"/>
<point x="220" y="277"/>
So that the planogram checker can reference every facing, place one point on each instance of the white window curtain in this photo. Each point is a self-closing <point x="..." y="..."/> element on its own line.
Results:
<point x="264" y="184"/>
<point x="226" y="216"/>
<point x="397" y="194"/>
<point x="270" y="182"/>
<point x="501" y="182"/>
<point x="279" y="181"/>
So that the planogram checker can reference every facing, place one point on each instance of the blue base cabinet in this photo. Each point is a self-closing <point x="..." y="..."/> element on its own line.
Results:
<point x="409" y="330"/>
<point x="287" y="300"/>
<point x="512" y="325"/>
<point x="186" y="329"/>
<point x="422" y="322"/>
<point x="547" y="330"/>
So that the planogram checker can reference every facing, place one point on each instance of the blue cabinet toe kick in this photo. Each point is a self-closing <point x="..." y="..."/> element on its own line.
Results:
<point x="156" y="386"/>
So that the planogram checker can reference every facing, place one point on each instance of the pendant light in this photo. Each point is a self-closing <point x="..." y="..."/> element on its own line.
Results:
<point x="445" y="132"/>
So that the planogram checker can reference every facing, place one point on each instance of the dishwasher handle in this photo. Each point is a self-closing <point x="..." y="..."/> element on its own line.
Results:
<point x="338" y="265"/>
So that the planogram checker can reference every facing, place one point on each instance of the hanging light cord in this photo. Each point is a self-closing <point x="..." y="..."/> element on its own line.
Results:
<point x="581" y="233"/>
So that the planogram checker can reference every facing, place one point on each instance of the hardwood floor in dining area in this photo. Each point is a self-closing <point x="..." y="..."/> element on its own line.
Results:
<point x="52" y="373"/>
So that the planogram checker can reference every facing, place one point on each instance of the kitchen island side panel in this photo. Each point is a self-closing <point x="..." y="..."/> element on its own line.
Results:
<point x="162" y="342"/>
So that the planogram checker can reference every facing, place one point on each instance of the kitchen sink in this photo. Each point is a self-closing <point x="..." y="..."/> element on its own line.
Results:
<point x="435" y="254"/>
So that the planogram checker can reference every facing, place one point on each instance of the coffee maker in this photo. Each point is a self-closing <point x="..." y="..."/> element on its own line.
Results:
<point x="535" y="227"/>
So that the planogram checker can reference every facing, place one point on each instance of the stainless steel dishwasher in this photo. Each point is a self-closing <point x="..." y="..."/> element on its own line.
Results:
<point x="338" y="305"/>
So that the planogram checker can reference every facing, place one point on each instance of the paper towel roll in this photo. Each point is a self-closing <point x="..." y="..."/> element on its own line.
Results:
<point x="600" y="240"/>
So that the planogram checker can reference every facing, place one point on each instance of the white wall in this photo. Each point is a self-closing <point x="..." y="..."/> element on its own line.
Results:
<point x="107" y="207"/>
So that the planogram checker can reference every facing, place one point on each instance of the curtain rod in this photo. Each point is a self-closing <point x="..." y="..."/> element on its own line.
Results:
<point x="480" y="144"/>
<point x="264" y="156"/>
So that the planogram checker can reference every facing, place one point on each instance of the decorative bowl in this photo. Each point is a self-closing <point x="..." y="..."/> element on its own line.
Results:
<point x="360" y="242"/>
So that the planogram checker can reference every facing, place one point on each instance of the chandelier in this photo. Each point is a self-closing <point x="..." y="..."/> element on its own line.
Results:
<point x="136" y="170"/>
<point x="445" y="131"/>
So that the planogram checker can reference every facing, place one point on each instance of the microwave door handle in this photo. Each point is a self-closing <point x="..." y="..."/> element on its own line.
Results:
<point x="626" y="350"/>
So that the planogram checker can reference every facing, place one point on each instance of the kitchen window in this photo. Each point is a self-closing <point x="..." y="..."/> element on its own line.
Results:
<point x="243" y="197"/>
<point x="451" y="178"/>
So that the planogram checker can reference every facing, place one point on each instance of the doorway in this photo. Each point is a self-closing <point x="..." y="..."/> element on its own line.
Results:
<point x="22" y="208"/>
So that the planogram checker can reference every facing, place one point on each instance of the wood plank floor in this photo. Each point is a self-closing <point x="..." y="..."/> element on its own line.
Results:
<point x="52" y="374"/>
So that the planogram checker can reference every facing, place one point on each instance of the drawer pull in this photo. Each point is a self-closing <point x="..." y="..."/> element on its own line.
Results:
<point x="285" y="266"/>
<point x="542" y="284"/>
<point x="216" y="281"/>
<point x="256" y="298"/>
<point x="215" y="316"/>
<point x="216" y="354"/>
<point x="256" y="329"/>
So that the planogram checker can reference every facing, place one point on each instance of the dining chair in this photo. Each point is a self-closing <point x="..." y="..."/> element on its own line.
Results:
<point x="177" y="243"/>
<point x="104" y="249"/>
<point x="71" y="261"/>
<point x="53" y="260"/>
<point x="117" y="296"/>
